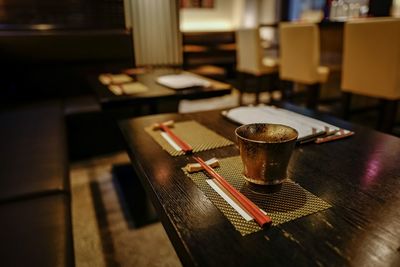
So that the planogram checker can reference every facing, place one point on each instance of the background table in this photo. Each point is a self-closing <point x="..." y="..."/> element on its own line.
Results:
<point x="157" y="94"/>
<point x="359" y="176"/>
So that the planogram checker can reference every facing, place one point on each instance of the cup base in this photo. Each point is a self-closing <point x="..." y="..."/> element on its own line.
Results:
<point x="263" y="189"/>
<point x="264" y="183"/>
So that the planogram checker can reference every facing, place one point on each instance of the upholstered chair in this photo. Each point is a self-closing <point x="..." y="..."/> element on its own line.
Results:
<point x="300" y="58"/>
<point x="251" y="60"/>
<point x="371" y="65"/>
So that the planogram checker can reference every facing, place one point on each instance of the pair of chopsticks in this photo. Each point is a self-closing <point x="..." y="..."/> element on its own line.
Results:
<point x="333" y="136"/>
<point x="182" y="144"/>
<point x="246" y="203"/>
<point x="313" y="138"/>
<point x="327" y="137"/>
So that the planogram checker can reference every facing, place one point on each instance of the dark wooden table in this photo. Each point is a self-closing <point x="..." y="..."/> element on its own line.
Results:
<point x="157" y="94"/>
<point x="359" y="176"/>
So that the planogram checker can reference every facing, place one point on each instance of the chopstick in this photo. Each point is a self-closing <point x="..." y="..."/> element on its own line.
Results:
<point x="182" y="144"/>
<point x="317" y="137"/>
<point x="250" y="207"/>
<point x="333" y="137"/>
<point x="309" y="138"/>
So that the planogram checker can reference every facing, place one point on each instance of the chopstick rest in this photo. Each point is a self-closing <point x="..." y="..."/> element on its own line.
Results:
<point x="156" y="126"/>
<point x="196" y="167"/>
<point x="261" y="218"/>
<point x="164" y="126"/>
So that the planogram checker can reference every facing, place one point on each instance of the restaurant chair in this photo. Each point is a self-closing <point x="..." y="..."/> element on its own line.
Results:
<point x="251" y="60"/>
<point x="371" y="66"/>
<point x="300" y="58"/>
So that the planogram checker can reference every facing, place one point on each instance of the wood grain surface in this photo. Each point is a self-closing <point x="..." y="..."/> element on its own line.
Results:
<point x="359" y="176"/>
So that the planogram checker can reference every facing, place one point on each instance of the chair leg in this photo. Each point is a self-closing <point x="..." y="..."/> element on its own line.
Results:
<point x="313" y="92"/>
<point x="387" y="115"/>
<point x="242" y="86"/>
<point x="287" y="90"/>
<point x="271" y="86"/>
<point x="346" y="104"/>
<point x="258" y="89"/>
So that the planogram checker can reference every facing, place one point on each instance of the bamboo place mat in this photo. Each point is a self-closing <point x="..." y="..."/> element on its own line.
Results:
<point x="198" y="136"/>
<point x="289" y="203"/>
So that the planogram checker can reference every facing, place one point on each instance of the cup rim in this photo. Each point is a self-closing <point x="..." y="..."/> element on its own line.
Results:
<point x="266" y="142"/>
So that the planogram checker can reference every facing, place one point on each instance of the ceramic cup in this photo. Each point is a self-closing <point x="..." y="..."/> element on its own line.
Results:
<point x="265" y="150"/>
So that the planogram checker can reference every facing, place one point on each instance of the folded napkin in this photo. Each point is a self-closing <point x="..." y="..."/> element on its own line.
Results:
<point x="108" y="78"/>
<point x="305" y="126"/>
<point x="230" y="199"/>
<point x="128" y="88"/>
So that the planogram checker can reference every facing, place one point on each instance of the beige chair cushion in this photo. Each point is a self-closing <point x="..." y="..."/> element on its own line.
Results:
<point x="300" y="53"/>
<point x="371" y="58"/>
<point x="249" y="53"/>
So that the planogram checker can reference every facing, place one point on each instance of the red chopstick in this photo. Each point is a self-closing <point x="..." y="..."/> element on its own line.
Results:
<point x="250" y="207"/>
<point x="182" y="144"/>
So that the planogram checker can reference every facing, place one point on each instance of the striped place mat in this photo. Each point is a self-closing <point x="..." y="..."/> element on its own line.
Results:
<point x="291" y="202"/>
<point x="198" y="136"/>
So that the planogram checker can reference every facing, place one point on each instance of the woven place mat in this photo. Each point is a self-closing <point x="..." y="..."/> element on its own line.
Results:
<point x="289" y="203"/>
<point x="198" y="136"/>
<point x="128" y="88"/>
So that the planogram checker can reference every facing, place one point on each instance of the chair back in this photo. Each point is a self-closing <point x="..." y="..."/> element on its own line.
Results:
<point x="371" y="58"/>
<point x="249" y="52"/>
<point x="299" y="52"/>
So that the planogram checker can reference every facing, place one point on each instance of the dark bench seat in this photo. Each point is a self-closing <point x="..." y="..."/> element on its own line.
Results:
<point x="35" y="225"/>
<point x="33" y="158"/>
<point x="36" y="232"/>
